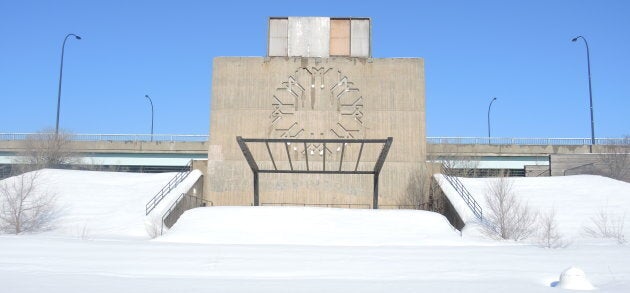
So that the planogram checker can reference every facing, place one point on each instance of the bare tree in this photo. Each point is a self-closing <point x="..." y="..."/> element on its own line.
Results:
<point x="508" y="217"/>
<point x="607" y="225"/>
<point x="548" y="234"/>
<point x="460" y="166"/>
<point x="615" y="160"/>
<point x="420" y="190"/>
<point x="23" y="207"/>
<point x="46" y="150"/>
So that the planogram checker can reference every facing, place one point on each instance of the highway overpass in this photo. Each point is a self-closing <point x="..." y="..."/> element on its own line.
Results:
<point x="162" y="153"/>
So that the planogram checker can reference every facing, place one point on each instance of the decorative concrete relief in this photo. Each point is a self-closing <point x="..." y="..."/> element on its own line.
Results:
<point x="317" y="103"/>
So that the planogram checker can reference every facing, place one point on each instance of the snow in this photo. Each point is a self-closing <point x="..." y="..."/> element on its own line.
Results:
<point x="577" y="200"/>
<point x="288" y="249"/>
<point x="574" y="278"/>
<point x="105" y="204"/>
<point x="312" y="226"/>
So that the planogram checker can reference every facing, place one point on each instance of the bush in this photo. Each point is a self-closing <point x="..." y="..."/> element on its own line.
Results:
<point x="508" y="217"/>
<point x="23" y="208"/>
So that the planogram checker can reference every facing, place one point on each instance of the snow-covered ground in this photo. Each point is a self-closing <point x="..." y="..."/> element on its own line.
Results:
<point x="576" y="200"/>
<point x="277" y="249"/>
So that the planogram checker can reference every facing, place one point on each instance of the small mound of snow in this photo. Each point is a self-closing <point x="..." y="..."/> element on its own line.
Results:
<point x="574" y="278"/>
<point x="311" y="226"/>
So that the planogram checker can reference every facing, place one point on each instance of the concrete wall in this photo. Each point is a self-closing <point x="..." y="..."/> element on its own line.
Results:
<point x="292" y="97"/>
<point x="610" y="165"/>
<point x="490" y="150"/>
<point x="143" y="147"/>
<point x="537" y="170"/>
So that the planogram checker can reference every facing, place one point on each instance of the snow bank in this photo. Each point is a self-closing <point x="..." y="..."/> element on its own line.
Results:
<point x="575" y="199"/>
<point x="102" y="204"/>
<point x="311" y="226"/>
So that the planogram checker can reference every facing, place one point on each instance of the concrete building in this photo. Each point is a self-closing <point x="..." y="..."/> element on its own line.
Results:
<point x="317" y="82"/>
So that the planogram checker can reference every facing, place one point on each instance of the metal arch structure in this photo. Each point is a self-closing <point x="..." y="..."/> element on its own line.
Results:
<point x="256" y="170"/>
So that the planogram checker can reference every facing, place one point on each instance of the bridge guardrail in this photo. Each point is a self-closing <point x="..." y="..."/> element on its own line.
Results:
<point x="115" y="137"/>
<point x="526" y="141"/>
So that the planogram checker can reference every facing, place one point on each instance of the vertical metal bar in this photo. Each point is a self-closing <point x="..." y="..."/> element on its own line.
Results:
<point x="286" y="147"/>
<point x="256" y="198"/>
<point x="375" y="199"/>
<point x="343" y="148"/>
<point x="270" y="156"/>
<point x="324" y="159"/>
<point x="306" y="156"/>
<point x="359" y="157"/>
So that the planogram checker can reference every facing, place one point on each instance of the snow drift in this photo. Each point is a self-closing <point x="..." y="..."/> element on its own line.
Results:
<point x="104" y="204"/>
<point x="311" y="226"/>
<point x="577" y="200"/>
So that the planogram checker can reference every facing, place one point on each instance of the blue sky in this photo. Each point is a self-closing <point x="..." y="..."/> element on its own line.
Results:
<point x="518" y="51"/>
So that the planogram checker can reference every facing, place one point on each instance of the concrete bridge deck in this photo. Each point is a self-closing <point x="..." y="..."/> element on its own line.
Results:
<point x="177" y="150"/>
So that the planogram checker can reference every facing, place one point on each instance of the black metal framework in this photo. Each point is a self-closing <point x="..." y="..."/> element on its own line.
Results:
<point x="378" y="165"/>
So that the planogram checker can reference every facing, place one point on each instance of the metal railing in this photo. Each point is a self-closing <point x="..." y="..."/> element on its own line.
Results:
<point x="581" y="169"/>
<point x="183" y="203"/>
<point x="525" y="141"/>
<point x="179" y="177"/>
<point x="465" y="194"/>
<point x="115" y="137"/>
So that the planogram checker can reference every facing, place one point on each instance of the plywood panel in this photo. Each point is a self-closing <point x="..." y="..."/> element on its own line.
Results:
<point x="309" y="36"/>
<point x="278" y="37"/>
<point x="340" y="37"/>
<point x="360" y="33"/>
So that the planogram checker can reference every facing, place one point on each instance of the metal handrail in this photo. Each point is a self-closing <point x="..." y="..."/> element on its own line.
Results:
<point x="564" y="173"/>
<point x="179" y="177"/>
<point x="464" y="193"/>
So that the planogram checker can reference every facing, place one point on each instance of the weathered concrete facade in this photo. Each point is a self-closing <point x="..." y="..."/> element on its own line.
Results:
<point x="299" y="97"/>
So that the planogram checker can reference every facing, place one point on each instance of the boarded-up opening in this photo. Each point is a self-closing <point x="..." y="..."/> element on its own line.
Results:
<point x="360" y="33"/>
<point x="340" y="37"/>
<point x="278" y="37"/>
<point x="319" y="37"/>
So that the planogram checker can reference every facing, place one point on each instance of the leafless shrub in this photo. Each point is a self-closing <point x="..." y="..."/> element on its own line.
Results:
<point x="153" y="225"/>
<point x="508" y="217"/>
<point x="46" y="150"/>
<point x="420" y="189"/>
<point x="24" y="208"/>
<point x="83" y="232"/>
<point x="460" y="166"/>
<point x="606" y="225"/>
<point x="548" y="234"/>
<point x="615" y="160"/>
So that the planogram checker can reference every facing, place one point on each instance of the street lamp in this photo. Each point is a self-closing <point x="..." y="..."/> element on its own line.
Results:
<point x="60" y="76"/>
<point x="590" y="91"/>
<point x="151" y="102"/>
<point x="493" y="99"/>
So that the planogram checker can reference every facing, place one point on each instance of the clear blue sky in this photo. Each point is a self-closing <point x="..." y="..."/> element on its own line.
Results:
<point x="518" y="51"/>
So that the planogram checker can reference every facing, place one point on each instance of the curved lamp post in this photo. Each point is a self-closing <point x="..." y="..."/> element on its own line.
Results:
<point x="60" y="77"/>
<point x="493" y="99"/>
<point x="151" y="102"/>
<point x="590" y="91"/>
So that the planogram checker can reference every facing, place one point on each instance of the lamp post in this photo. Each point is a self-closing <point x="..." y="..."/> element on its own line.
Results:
<point x="60" y="77"/>
<point x="151" y="102"/>
<point x="590" y="91"/>
<point x="493" y="99"/>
